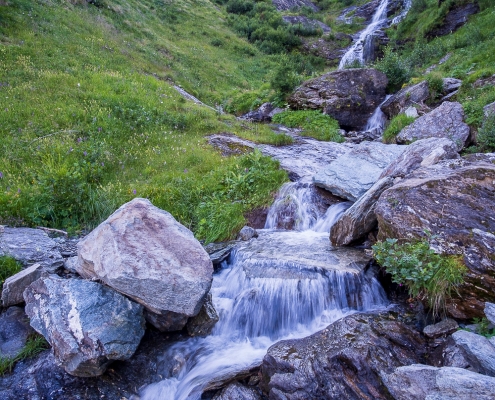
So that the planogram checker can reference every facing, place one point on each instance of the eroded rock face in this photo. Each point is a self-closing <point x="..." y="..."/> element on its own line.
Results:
<point x="405" y="98"/>
<point x="414" y="382"/>
<point x="360" y="218"/>
<point x="455" y="18"/>
<point x="343" y="361"/>
<point x="203" y="323"/>
<point x="30" y="246"/>
<point x="446" y="121"/>
<point x="455" y="201"/>
<point x="144" y="253"/>
<point x="353" y="173"/>
<point x="87" y="324"/>
<point x="350" y="96"/>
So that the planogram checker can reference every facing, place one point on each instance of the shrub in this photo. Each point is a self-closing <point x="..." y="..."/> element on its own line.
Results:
<point x="8" y="267"/>
<point x="427" y="275"/>
<point x="395" y="67"/>
<point x="435" y="85"/>
<point x="313" y="122"/>
<point x="486" y="135"/>
<point x="398" y="123"/>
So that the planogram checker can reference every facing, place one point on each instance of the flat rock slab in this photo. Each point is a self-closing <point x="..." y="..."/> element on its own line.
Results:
<point x="14" y="286"/>
<point x="353" y="173"/>
<point x="144" y="253"/>
<point x="414" y="382"/>
<point x="30" y="246"/>
<point x="14" y="331"/>
<point x="455" y="201"/>
<point x="297" y="255"/>
<point x="446" y="121"/>
<point x="87" y="324"/>
<point x="342" y="361"/>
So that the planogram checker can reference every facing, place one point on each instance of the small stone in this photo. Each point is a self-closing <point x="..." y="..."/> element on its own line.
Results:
<point x="443" y="328"/>
<point x="411" y="112"/>
<point x="247" y="233"/>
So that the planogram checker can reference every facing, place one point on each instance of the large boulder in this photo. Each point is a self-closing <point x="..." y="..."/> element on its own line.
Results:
<point x="14" y="286"/>
<point x="353" y="173"/>
<point x="87" y="324"/>
<point x="446" y="121"/>
<point x="404" y="98"/>
<point x="350" y="95"/>
<point x="455" y="201"/>
<point x="418" y="382"/>
<point x="144" y="253"/>
<point x="343" y="361"/>
<point x="360" y="218"/>
<point x="477" y="350"/>
<point x="30" y="246"/>
<point x="422" y="153"/>
<point x="284" y="5"/>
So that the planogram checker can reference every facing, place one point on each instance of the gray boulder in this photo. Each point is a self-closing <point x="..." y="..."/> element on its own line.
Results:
<point x="442" y="328"/>
<point x="446" y="121"/>
<point x="30" y="246"/>
<point x="422" y="153"/>
<point x="262" y="114"/>
<point x="404" y="98"/>
<point x="353" y="173"/>
<point x="14" y="286"/>
<point x="87" y="324"/>
<point x="14" y="332"/>
<point x="236" y="391"/>
<point x="284" y="5"/>
<point x="247" y="233"/>
<point x="419" y="382"/>
<point x="489" y="109"/>
<point x="203" y="323"/>
<point x="350" y="95"/>
<point x="144" y="253"/>
<point x="360" y="218"/>
<point x="490" y="312"/>
<point x="433" y="199"/>
<point x="478" y="351"/>
<point x="343" y="361"/>
<point x="451" y="85"/>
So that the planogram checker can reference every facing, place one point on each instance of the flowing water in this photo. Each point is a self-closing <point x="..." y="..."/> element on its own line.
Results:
<point x="284" y="284"/>
<point x="378" y="119"/>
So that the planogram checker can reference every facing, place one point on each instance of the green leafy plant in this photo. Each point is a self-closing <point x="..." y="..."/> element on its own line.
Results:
<point x="34" y="345"/>
<point x="313" y="122"/>
<point x="427" y="275"/>
<point x="397" y="123"/>
<point x="486" y="135"/>
<point x="484" y="327"/>
<point x="8" y="267"/>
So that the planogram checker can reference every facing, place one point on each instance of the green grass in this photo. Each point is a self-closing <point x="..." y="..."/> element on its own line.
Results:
<point x="313" y="123"/>
<point x="397" y="123"/>
<point x="34" y="345"/>
<point x="89" y="118"/>
<point x="8" y="267"/>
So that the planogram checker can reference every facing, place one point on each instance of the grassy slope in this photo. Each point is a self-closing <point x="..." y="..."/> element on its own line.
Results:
<point x="88" y="117"/>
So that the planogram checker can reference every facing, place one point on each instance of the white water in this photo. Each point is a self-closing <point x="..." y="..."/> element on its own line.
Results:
<point x="376" y="123"/>
<point x="355" y="52"/>
<point x="285" y="284"/>
<point x="379" y="21"/>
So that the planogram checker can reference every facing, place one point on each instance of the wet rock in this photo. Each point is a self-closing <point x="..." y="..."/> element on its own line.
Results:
<point x="446" y="121"/>
<point x="219" y="252"/>
<point x="236" y="391"/>
<point x="14" y="286"/>
<point x="14" y="332"/>
<point x="432" y="199"/>
<point x="247" y="233"/>
<point x="262" y="114"/>
<point x="477" y="350"/>
<point x="490" y="312"/>
<point x="203" y="323"/>
<point x="30" y="246"/>
<point x="442" y="328"/>
<point x="422" y="153"/>
<point x="343" y="361"/>
<point x="405" y="98"/>
<point x="350" y="96"/>
<point x="284" y="5"/>
<point x="87" y="324"/>
<point x="144" y="253"/>
<point x="360" y="219"/>
<point x="455" y="18"/>
<point x="306" y="22"/>
<point x="365" y="12"/>
<point x="353" y="173"/>
<point x="362" y="136"/>
<point x="415" y="382"/>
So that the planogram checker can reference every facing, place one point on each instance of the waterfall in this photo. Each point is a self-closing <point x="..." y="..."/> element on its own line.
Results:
<point x="376" y="123"/>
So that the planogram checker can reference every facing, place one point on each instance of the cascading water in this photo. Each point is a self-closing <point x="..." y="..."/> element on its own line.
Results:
<point x="284" y="284"/>
<point x="376" y="123"/>
<point x="355" y="54"/>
